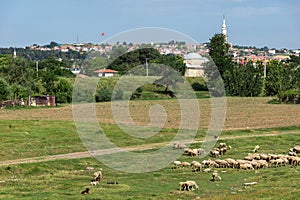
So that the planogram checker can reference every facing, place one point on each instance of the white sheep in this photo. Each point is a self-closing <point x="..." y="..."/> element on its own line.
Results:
<point x="185" y="164"/>
<point x="256" y="148"/>
<point x="177" y="163"/>
<point x="214" y="153"/>
<point x="94" y="183"/>
<point x="97" y="175"/>
<point x="192" y="185"/>
<point x="296" y="149"/>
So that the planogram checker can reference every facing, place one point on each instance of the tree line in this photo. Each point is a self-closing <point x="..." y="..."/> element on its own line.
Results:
<point x="282" y="77"/>
<point x="21" y="78"/>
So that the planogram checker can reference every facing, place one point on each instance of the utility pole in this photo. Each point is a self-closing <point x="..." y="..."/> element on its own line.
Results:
<point x="147" y="70"/>
<point x="265" y="66"/>
<point x="37" y="68"/>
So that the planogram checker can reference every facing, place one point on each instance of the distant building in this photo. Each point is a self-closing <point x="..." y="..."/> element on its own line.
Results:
<point x="105" y="72"/>
<point x="194" y="63"/>
<point x="75" y="70"/>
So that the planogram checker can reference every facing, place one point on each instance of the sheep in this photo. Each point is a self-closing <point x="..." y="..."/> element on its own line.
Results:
<point x="210" y="163"/>
<point x="192" y="152"/>
<point x="94" y="183"/>
<point x="246" y="166"/>
<point x="231" y="162"/>
<point x="296" y="149"/>
<point x="193" y="163"/>
<point x="198" y="167"/>
<point x="177" y="145"/>
<point x="256" y="148"/>
<point x="86" y="191"/>
<point x="216" y="177"/>
<point x="182" y="185"/>
<point x="263" y="163"/>
<point x="263" y="156"/>
<point x="177" y="163"/>
<point x="192" y="184"/>
<point x="188" y="185"/>
<point x="200" y="151"/>
<point x="292" y="153"/>
<point x="214" y="153"/>
<point x="222" y="145"/>
<point x="222" y="163"/>
<point x="249" y="158"/>
<point x="223" y="150"/>
<point x="185" y="164"/>
<point x="97" y="175"/>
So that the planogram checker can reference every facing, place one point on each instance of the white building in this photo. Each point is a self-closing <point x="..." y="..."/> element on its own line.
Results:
<point x="194" y="63"/>
<point x="105" y="72"/>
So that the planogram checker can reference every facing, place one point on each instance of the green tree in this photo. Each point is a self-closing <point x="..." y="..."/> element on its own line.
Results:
<point x="63" y="91"/>
<point x="218" y="51"/>
<point x="273" y="83"/>
<point x="4" y="92"/>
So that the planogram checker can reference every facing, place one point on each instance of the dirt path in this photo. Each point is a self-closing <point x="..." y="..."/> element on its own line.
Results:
<point x="86" y="154"/>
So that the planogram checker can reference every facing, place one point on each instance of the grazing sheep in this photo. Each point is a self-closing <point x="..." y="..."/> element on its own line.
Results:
<point x="263" y="163"/>
<point x="222" y="163"/>
<point x="246" y="166"/>
<point x="177" y="145"/>
<point x="223" y="150"/>
<point x="97" y="175"/>
<point x="256" y="148"/>
<point x="86" y="191"/>
<point x="197" y="167"/>
<point x="94" y="183"/>
<point x="192" y="152"/>
<point x="193" y="163"/>
<point x="263" y="156"/>
<point x="292" y="153"/>
<point x="231" y="162"/>
<point x="177" y="163"/>
<point x="200" y="151"/>
<point x="222" y="145"/>
<point x="185" y="164"/>
<point x="216" y="177"/>
<point x="192" y="185"/>
<point x="183" y="185"/>
<point x="214" y="154"/>
<point x="296" y="149"/>
<point x="249" y="158"/>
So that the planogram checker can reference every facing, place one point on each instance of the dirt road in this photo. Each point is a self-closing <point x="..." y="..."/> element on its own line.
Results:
<point x="86" y="154"/>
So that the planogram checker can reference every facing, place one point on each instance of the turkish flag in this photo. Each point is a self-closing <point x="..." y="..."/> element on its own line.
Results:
<point x="102" y="34"/>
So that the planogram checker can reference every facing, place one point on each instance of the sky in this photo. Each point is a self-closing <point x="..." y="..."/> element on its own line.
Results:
<point x="271" y="23"/>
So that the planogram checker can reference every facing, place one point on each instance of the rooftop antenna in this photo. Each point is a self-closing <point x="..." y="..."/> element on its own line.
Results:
<point x="77" y="39"/>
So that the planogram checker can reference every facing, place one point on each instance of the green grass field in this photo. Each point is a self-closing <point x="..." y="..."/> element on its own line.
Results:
<point x="66" y="178"/>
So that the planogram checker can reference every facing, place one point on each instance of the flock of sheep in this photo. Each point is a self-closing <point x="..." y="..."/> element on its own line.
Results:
<point x="251" y="161"/>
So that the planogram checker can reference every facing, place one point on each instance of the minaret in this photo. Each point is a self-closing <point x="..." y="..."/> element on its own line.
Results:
<point x="15" y="53"/>
<point x="224" y="30"/>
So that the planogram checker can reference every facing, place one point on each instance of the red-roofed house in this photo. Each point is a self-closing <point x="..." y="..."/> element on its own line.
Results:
<point x="105" y="72"/>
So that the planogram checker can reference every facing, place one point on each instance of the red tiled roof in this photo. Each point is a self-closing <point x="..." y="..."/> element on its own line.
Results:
<point x="105" y="71"/>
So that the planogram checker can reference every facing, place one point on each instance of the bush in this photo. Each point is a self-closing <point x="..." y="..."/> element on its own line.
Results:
<point x="199" y="87"/>
<point x="290" y="96"/>
<point x="103" y="94"/>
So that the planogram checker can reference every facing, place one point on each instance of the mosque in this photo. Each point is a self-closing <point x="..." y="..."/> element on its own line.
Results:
<point x="194" y="61"/>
